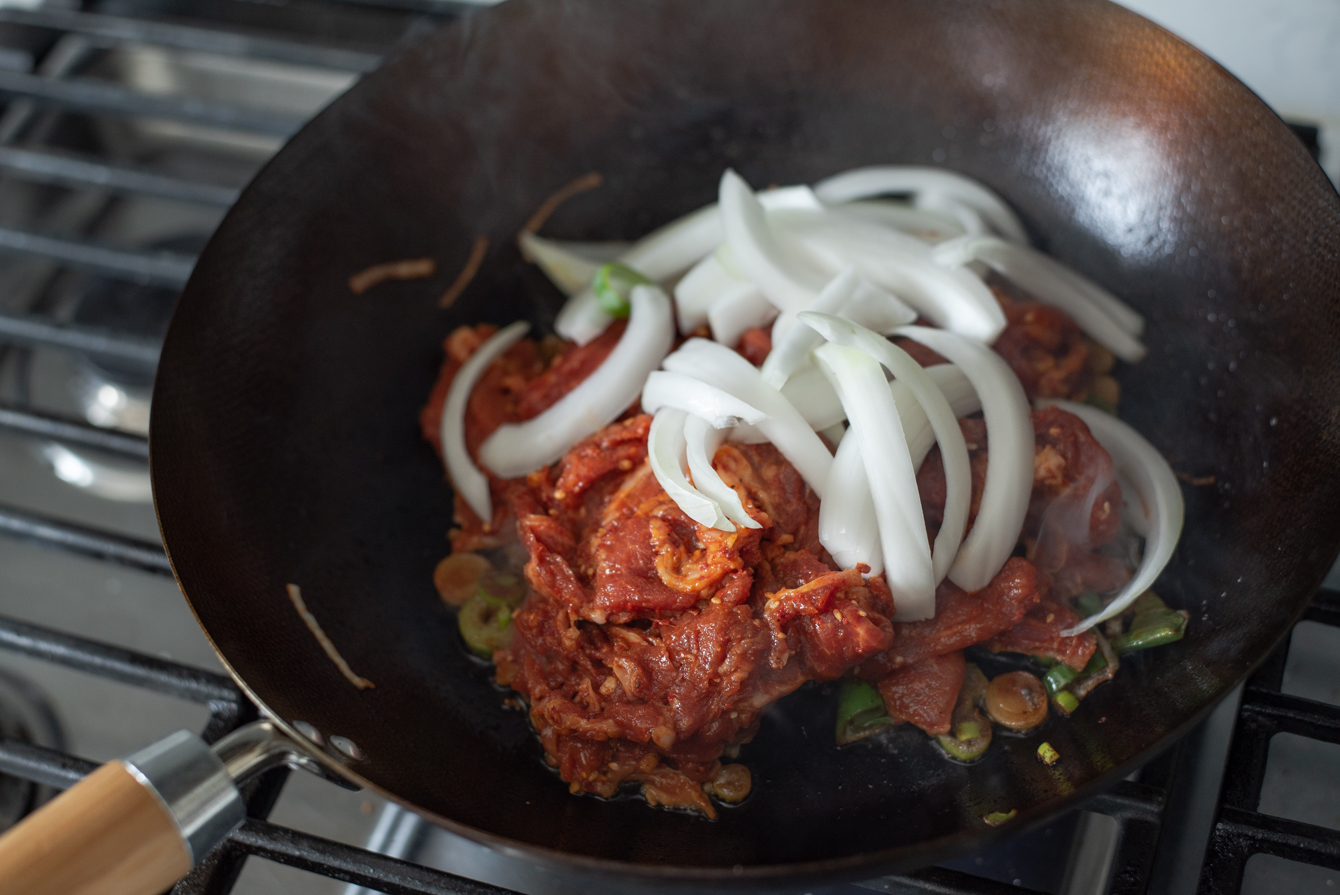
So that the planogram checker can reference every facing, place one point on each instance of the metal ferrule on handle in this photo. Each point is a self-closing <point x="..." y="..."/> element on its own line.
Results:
<point x="138" y="824"/>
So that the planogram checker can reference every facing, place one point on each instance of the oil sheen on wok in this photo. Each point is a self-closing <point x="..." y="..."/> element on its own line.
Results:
<point x="801" y="435"/>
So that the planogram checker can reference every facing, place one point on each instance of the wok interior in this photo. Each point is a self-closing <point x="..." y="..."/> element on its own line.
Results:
<point x="285" y="444"/>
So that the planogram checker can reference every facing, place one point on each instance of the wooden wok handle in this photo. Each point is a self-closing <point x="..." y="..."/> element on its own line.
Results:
<point x="108" y="834"/>
<point x="132" y="827"/>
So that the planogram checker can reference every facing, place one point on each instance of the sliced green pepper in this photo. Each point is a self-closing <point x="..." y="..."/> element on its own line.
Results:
<point x="612" y="284"/>
<point x="860" y="712"/>
<point x="1153" y="624"/>
<point x="971" y="731"/>
<point x="485" y="623"/>
<point x="1058" y="677"/>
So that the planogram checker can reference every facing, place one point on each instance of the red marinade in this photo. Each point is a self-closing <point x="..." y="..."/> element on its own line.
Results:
<point x="649" y="646"/>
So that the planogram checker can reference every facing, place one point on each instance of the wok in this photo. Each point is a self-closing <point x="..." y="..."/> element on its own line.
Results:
<point x="285" y="447"/>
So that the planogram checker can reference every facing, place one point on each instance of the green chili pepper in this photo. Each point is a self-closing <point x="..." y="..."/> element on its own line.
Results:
<point x="1047" y="755"/>
<point x="485" y="623"/>
<point x="860" y="712"/>
<point x="1065" y="702"/>
<point x="1058" y="677"/>
<point x="1151" y="629"/>
<point x="996" y="818"/>
<point x="964" y="750"/>
<point x="612" y="284"/>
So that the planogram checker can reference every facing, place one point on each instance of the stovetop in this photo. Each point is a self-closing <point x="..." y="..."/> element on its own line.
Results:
<point x="130" y="127"/>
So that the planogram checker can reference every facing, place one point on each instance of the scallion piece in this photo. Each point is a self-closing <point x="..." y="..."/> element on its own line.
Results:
<point x="996" y="818"/>
<point x="485" y="623"/>
<point x="860" y="712"/>
<point x="1065" y="702"/>
<point x="1047" y="755"/>
<point x="612" y="283"/>
<point x="971" y="730"/>
<point x="1058" y="676"/>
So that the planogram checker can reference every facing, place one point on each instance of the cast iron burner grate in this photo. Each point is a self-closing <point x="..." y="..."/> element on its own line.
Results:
<point x="230" y="28"/>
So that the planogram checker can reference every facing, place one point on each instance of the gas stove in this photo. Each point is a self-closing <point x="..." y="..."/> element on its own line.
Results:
<point x="128" y="128"/>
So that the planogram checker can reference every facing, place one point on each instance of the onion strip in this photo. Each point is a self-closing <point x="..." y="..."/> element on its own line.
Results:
<point x="848" y="528"/>
<point x="569" y="265"/>
<point x="721" y="409"/>
<point x="859" y="381"/>
<point x="469" y="481"/>
<point x="516" y="449"/>
<point x="1140" y="463"/>
<point x="739" y="310"/>
<point x="755" y="248"/>
<point x="953" y="448"/>
<point x="930" y="186"/>
<point x="1009" y="472"/>
<point x="785" y="427"/>
<point x="666" y="455"/>
<point x="1031" y="271"/>
<point x="702" y="441"/>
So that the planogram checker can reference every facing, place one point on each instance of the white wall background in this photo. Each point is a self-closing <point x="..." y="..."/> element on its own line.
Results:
<point x="1288" y="51"/>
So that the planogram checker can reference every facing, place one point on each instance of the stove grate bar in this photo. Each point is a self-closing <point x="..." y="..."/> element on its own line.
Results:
<point x="943" y="881"/>
<point x="69" y="170"/>
<point x="118" y="664"/>
<point x="30" y="330"/>
<point x="90" y="542"/>
<point x="1240" y="831"/>
<point x="158" y="268"/>
<point x="188" y="37"/>
<point x="28" y="422"/>
<point x="351" y="864"/>
<point x="46" y="767"/>
<point x="105" y="99"/>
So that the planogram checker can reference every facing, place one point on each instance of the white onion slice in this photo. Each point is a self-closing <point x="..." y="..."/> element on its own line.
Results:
<point x="1009" y="472"/>
<point x="702" y="441"/>
<point x="953" y="448"/>
<point x="952" y="298"/>
<point x="922" y="223"/>
<point x="569" y="265"/>
<point x="1153" y="480"/>
<point x="786" y="428"/>
<point x="859" y="381"/>
<point x="692" y="395"/>
<point x="968" y="218"/>
<point x="515" y="449"/>
<point x="848" y="528"/>
<point x="581" y="318"/>
<point x="704" y="284"/>
<point x="787" y="284"/>
<point x="809" y="392"/>
<point x="1125" y="316"/>
<point x="883" y="180"/>
<point x="958" y="391"/>
<point x="877" y="309"/>
<point x="739" y="310"/>
<point x="791" y="348"/>
<point x="1031" y="271"/>
<point x="666" y="454"/>
<point x="468" y="480"/>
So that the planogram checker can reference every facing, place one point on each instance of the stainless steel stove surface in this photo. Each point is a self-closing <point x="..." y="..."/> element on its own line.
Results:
<point x="127" y="130"/>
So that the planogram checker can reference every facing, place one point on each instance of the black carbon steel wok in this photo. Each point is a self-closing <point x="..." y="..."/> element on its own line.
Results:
<point x="285" y="443"/>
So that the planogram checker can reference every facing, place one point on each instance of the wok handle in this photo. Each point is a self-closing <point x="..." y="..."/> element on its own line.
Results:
<point x="133" y="827"/>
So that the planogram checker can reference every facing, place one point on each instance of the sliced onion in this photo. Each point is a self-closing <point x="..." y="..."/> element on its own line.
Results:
<point x="700" y="288"/>
<point x="1033" y="272"/>
<point x="702" y="441"/>
<point x="859" y="381"/>
<point x="471" y="483"/>
<point x="950" y="297"/>
<point x="581" y="318"/>
<point x="1009" y="472"/>
<point x="1140" y="463"/>
<point x="1125" y="316"/>
<point x="810" y="393"/>
<point x="922" y="223"/>
<point x="791" y="348"/>
<point x="692" y="395"/>
<point x="968" y="218"/>
<point x="933" y="183"/>
<point x="848" y="528"/>
<point x="953" y="448"/>
<point x="740" y="309"/>
<point x="785" y="427"/>
<point x="515" y="449"/>
<point x="787" y="284"/>
<point x="569" y="265"/>
<point x="666" y="454"/>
